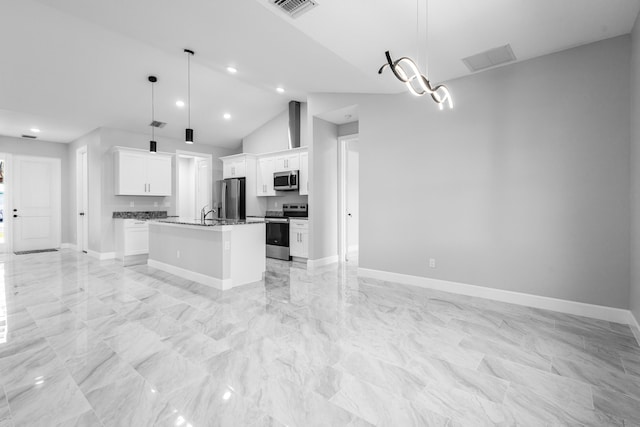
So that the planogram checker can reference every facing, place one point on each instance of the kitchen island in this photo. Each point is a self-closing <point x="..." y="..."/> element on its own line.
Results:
<point x="218" y="253"/>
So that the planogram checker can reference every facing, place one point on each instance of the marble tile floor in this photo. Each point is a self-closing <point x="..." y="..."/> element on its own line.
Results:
<point x="92" y="343"/>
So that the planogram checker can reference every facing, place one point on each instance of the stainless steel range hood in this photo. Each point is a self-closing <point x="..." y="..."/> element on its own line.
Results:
<point x="294" y="124"/>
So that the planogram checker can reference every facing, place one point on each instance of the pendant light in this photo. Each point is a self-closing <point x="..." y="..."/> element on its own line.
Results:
<point x="152" y="143"/>
<point x="408" y="72"/>
<point x="188" y="134"/>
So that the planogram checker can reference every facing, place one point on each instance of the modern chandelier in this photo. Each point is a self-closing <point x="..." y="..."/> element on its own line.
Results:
<point x="188" y="137"/>
<point x="408" y="72"/>
<point x="152" y="143"/>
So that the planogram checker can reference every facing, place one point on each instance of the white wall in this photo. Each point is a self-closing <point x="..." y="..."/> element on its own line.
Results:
<point x="274" y="135"/>
<point x="28" y="147"/>
<point x="634" y="300"/>
<point x="323" y="190"/>
<point x="350" y="128"/>
<point x="524" y="186"/>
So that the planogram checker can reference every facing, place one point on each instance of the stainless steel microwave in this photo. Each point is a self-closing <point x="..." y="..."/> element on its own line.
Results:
<point x="285" y="181"/>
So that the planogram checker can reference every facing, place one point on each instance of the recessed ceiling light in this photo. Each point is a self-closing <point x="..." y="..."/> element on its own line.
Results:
<point x="35" y="130"/>
<point x="180" y="104"/>
<point x="280" y="89"/>
<point x="227" y="116"/>
<point x="232" y="70"/>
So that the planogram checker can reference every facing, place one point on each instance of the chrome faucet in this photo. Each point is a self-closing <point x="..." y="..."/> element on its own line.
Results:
<point x="203" y="214"/>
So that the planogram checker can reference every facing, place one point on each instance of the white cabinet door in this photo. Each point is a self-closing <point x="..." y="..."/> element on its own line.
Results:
<point x="304" y="174"/>
<point x="234" y="168"/>
<point x="288" y="162"/>
<point x="265" y="177"/>
<point x="299" y="238"/>
<point x="142" y="174"/>
<point x="131" y="173"/>
<point x="158" y="175"/>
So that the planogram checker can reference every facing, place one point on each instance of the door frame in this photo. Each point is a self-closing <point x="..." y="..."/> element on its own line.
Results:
<point x="8" y="203"/>
<point x="209" y="159"/>
<point x="343" y="231"/>
<point x="82" y="228"/>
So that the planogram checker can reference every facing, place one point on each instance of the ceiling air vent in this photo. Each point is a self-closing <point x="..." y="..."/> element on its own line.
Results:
<point x="490" y="58"/>
<point x="29" y="136"/>
<point x="157" y="124"/>
<point x="294" y="8"/>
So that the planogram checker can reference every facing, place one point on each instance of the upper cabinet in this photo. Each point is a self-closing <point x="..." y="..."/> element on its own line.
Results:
<point x="304" y="174"/>
<point x="139" y="173"/>
<point x="234" y="167"/>
<point x="266" y="168"/>
<point x="287" y="162"/>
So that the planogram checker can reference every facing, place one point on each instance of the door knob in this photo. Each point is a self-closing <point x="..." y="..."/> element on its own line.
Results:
<point x="15" y="216"/>
<point x="15" y="210"/>
<point x="81" y="214"/>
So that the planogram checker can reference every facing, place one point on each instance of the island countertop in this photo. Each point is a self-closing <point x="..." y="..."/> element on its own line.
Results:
<point x="217" y="222"/>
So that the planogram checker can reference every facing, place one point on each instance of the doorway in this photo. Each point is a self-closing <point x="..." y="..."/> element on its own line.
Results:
<point x="195" y="184"/>
<point x="4" y="208"/>
<point x="36" y="194"/>
<point x="82" y="200"/>
<point x="348" y="206"/>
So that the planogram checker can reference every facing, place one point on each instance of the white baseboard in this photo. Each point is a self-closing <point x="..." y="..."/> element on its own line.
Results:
<point x="601" y="312"/>
<point x="101" y="255"/>
<point x="221" y="284"/>
<point x="315" y="263"/>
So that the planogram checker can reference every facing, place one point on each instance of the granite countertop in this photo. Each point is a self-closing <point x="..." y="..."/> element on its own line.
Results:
<point x="207" y="222"/>
<point x="140" y="215"/>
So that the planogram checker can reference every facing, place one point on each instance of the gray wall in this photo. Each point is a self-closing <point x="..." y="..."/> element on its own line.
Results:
<point x="350" y="128"/>
<point x="102" y="199"/>
<point x="524" y="186"/>
<point x="28" y="147"/>
<point x="634" y="299"/>
<point x="323" y="190"/>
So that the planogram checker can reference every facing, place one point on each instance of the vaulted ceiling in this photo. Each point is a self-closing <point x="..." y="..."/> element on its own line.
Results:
<point x="70" y="66"/>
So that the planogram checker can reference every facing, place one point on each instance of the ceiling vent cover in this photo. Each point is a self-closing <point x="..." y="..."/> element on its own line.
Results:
<point x="157" y="124"/>
<point x="29" y="136"/>
<point x="294" y="8"/>
<point x="490" y="58"/>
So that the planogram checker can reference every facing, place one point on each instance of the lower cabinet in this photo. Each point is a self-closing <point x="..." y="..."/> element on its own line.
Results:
<point x="132" y="237"/>
<point x="299" y="238"/>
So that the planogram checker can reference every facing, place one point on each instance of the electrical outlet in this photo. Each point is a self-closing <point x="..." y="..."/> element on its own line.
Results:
<point x="178" y="254"/>
<point x="276" y="204"/>
<point x="131" y="204"/>
<point x="155" y="204"/>
<point x="432" y="263"/>
<point x="227" y="245"/>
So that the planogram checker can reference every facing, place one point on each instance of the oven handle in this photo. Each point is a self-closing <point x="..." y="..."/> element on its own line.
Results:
<point x="280" y="220"/>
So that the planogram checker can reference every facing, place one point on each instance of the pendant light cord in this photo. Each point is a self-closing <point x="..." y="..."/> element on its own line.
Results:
<point x="153" y="114"/>
<point x="189" y="89"/>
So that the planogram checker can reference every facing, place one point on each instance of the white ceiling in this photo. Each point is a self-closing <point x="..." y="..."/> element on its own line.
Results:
<point x="69" y="66"/>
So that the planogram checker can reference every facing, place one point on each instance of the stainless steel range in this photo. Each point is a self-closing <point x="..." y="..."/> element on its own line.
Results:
<point x="278" y="228"/>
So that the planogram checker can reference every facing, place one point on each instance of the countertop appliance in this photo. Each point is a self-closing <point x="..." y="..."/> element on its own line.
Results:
<point x="233" y="198"/>
<point x="278" y="229"/>
<point x="285" y="181"/>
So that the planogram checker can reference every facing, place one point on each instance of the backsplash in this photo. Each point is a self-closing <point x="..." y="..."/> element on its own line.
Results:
<point x="140" y="214"/>
<point x="275" y="203"/>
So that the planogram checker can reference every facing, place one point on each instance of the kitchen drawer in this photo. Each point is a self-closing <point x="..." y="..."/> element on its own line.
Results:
<point x="299" y="223"/>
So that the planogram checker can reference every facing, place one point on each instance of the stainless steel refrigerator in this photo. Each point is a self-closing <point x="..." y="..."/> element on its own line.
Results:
<point x="233" y="198"/>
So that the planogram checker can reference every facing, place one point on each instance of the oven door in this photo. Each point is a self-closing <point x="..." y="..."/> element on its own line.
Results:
<point x="277" y="238"/>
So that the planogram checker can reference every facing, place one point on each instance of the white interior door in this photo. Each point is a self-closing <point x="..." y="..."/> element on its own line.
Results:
<point x="352" y="189"/>
<point x="36" y="203"/>
<point x="82" y="200"/>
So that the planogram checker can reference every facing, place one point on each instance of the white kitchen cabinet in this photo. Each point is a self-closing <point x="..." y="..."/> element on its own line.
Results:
<point x="304" y="174"/>
<point x="138" y="173"/>
<point x="299" y="238"/>
<point x="234" y="168"/>
<point x="287" y="162"/>
<point x="131" y="238"/>
<point x="264" y="181"/>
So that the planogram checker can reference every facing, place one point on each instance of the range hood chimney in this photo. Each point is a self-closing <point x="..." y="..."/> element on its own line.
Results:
<point x="294" y="124"/>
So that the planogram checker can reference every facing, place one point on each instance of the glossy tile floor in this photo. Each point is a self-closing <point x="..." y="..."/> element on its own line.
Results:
<point x="86" y="343"/>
